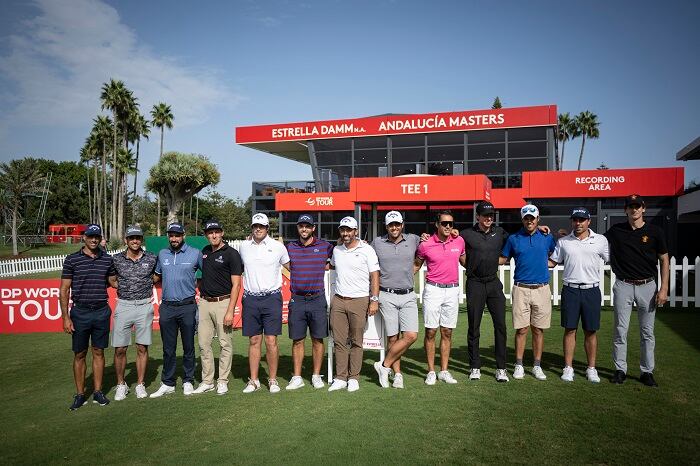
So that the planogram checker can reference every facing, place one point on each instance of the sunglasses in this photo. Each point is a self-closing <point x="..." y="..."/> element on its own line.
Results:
<point x="446" y="223"/>
<point x="529" y="209"/>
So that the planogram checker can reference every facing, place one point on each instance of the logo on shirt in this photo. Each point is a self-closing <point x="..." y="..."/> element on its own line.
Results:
<point x="493" y="234"/>
<point x="166" y="262"/>
<point x="219" y="259"/>
<point x="204" y="256"/>
<point x="317" y="250"/>
<point x="144" y="265"/>
<point x="454" y="250"/>
<point x="645" y="238"/>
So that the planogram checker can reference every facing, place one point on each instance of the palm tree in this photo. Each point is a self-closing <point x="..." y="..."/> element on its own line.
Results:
<point x="587" y="125"/>
<point x="162" y="117"/>
<point x="102" y="128"/>
<point x="142" y="130"/>
<point x="125" y="167"/>
<point x="19" y="178"/>
<point x="565" y="129"/>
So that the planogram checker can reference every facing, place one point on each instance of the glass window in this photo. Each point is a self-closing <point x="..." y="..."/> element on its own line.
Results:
<point x="367" y="171"/>
<point x="493" y="135"/>
<point x="445" y="139"/>
<point x="486" y="151"/>
<point x="408" y="140"/>
<point x="332" y="144"/>
<point x="370" y="156"/>
<point x="527" y="149"/>
<point x="416" y="154"/>
<point x="498" y="181"/>
<point x="490" y="167"/>
<point x="527" y="134"/>
<point x="370" y="143"/>
<point x="515" y="180"/>
<point x="454" y="153"/>
<point x="445" y="168"/>
<point x="334" y="158"/>
<point x="398" y="169"/>
<point x="527" y="165"/>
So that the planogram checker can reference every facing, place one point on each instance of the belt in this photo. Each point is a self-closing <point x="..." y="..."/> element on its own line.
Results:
<point x="637" y="282"/>
<point x="396" y="290"/>
<point x="212" y="299"/>
<point x="184" y="302"/>
<point x="483" y="279"/>
<point x="532" y="286"/>
<point x="307" y="294"/>
<point x="346" y="298"/>
<point x="261" y="293"/>
<point x="90" y="306"/>
<point x="582" y="286"/>
<point x="442" y="285"/>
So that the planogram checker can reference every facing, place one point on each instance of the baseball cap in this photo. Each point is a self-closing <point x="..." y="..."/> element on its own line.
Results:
<point x="580" y="212"/>
<point x="634" y="199"/>
<point x="485" y="208"/>
<point x="212" y="225"/>
<point x="260" y="219"/>
<point x="133" y="230"/>
<point x="306" y="218"/>
<point x="349" y="222"/>
<point x="393" y="216"/>
<point x="176" y="228"/>
<point x="93" y="230"/>
<point x="529" y="209"/>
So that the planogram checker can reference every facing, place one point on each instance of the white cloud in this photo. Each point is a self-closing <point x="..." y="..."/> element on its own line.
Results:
<point x="58" y="63"/>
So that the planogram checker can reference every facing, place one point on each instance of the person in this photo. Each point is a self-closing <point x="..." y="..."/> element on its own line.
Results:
<point x="583" y="252"/>
<point x="177" y="266"/>
<point x="636" y="248"/>
<point x="532" y="297"/>
<point x="396" y="252"/>
<point x="356" y="297"/>
<point x="219" y="288"/>
<point x="484" y="242"/>
<point x="134" y="282"/>
<point x="443" y="253"/>
<point x="85" y="278"/>
<point x="309" y="259"/>
<point x="263" y="258"/>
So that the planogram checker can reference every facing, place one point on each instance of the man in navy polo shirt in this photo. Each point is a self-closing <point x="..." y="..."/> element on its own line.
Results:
<point x="309" y="259"/>
<point x="177" y="266"/>
<point x="86" y="275"/>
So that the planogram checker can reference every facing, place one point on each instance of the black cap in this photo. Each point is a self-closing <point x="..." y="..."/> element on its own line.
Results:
<point x="176" y="228"/>
<point x="306" y="218"/>
<point x="485" y="208"/>
<point x="634" y="199"/>
<point x="212" y="225"/>
<point x="93" y="230"/>
<point x="580" y="212"/>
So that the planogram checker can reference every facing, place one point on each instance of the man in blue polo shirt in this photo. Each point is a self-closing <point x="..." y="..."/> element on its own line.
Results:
<point x="177" y="266"/>
<point x="532" y="298"/>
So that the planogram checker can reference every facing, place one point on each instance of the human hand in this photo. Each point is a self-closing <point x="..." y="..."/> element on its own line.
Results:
<point x="68" y="325"/>
<point x="373" y="308"/>
<point x="661" y="297"/>
<point x="228" y="319"/>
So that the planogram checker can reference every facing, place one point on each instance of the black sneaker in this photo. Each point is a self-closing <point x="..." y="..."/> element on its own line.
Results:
<point x="78" y="401"/>
<point x="100" y="398"/>
<point x="619" y="377"/>
<point x="647" y="378"/>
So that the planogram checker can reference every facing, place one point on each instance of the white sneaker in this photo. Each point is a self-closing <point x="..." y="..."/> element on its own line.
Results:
<point x="431" y="378"/>
<point x="141" y="391"/>
<point x="203" y="387"/>
<point x="338" y="385"/>
<point x="398" y="381"/>
<point x="296" y="382"/>
<point x="187" y="388"/>
<point x="592" y="375"/>
<point x="538" y="373"/>
<point x="221" y="388"/>
<point x="274" y="386"/>
<point x="163" y="390"/>
<point x="383" y="373"/>
<point x="446" y="377"/>
<point x="518" y="371"/>
<point x="122" y="391"/>
<point x="475" y="374"/>
<point x="501" y="375"/>
<point x="317" y="381"/>
<point x="353" y="385"/>
<point x="568" y="374"/>
<point x="252" y="386"/>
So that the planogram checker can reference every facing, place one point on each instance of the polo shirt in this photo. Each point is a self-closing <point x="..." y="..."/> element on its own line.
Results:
<point x="396" y="260"/>
<point x="217" y="268"/>
<point x="483" y="250"/>
<point x="88" y="276"/>
<point x="177" y="269"/>
<point x="442" y="258"/>
<point x="530" y="252"/>
<point x="135" y="276"/>
<point x="582" y="258"/>
<point x="308" y="265"/>
<point x="634" y="254"/>
<point x="352" y="267"/>
<point x="263" y="264"/>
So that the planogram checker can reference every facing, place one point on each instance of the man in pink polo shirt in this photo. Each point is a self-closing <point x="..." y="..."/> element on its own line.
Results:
<point x="443" y="254"/>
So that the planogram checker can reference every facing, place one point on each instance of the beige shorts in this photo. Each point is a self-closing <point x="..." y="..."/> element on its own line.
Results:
<point x="532" y="307"/>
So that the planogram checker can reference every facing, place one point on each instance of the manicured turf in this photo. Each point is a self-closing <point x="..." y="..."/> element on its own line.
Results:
<point x="57" y="249"/>
<point x="479" y="422"/>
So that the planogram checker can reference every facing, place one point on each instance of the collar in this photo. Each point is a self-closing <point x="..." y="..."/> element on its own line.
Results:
<point x="184" y="248"/>
<point x="100" y="252"/>
<point x="359" y="245"/>
<point x="386" y="238"/>
<point x="124" y="253"/>
<point x="436" y="239"/>
<point x="591" y="234"/>
<point x="315" y="242"/>
<point x="225" y="245"/>
<point x="262" y="241"/>
<point x="478" y="230"/>
<point x="524" y="232"/>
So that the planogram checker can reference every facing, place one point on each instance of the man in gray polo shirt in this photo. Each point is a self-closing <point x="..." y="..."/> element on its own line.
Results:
<point x="397" y="302"/>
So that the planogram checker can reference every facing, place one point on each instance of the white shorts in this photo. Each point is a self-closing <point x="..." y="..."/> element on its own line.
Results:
<point x="440" y="306"/>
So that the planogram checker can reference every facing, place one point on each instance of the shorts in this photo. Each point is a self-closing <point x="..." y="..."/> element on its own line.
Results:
<point x="532" y="306"/>
<point x="583" y="303"/>
<point x="132" y="313"/>
<point x="399" y="311"/>
<point x="308" y="312"/>
<point x="90" y="326"/>
<point x="262" y="314"/>
<point x="440" y="306"/>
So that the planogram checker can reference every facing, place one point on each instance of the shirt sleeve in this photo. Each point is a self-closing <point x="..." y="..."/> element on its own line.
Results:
<point x="333" y="258"/>
<point x="552" y="243"/>
<point x="199" y="259"/>
<point x="372" y="260"/>
<point x="112" y="271"/>
<point x="662" y="247"/>
<point x="463" y="246"/>
<point x="67" y="268"/>
<point x="284" y="257"/>
<point x="330" y="250"/>
<point x="158" y="270"/>
<point x="558" y="255"/>
<point x="508" y="248"/>
<point x="420" y="252"/>
<point x="605" y="253"/>
<point x="236" y="263"/>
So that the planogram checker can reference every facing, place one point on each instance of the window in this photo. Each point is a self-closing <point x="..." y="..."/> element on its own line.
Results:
<point x="332" y="144"/>
<point x="367" y="171"/>
<point x="371" y="143"/>
<point x="452" y="153"/>
<point x="445" y="139"/>
<point x="488" y="168"/>
<point x="409" y="140"/>
<point x="333" y="158"/>
<point x="486" y="151"/>
<point x="526" y="165"/>
<point x="446" y="168"/>
<point x="416" y="154"/>
<point x="371" y="156"/>
<point x="494" y="135"/>
<point x="527" y="149"/>
<point x="398" y="169"/>
<point x="527" y="134"/>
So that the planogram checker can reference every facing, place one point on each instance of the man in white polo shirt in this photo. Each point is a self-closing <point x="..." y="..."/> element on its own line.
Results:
<point x="582" y="252"/>
<point x="356" y="296"/>
<point x="263" y="258"/>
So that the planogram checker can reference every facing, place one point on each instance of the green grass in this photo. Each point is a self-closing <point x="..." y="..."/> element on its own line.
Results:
<point x="480" y="422"/>
<point x="38" y="251"/>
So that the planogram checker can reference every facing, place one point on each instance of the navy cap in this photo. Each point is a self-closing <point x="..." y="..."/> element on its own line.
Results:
<point x="212" y="225"/>
<point x="133" y="230"/>
<point x="634" y="199"/>
<point x="306" y="218"/>
<point x="580" y="212"/>
<point x="176" y="228"/>
<point x="485" y="208"/>
<point x="93" y="230"/>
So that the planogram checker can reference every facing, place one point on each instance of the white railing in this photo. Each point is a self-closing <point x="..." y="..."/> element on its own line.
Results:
<point x="30" y="265"/>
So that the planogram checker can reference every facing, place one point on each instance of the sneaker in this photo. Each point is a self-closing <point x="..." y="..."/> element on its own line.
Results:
<point x="647" y="378"/>
<point x="78" y="401"/>
<point x="317" y="381"/>
<point x="252" y="386"/>
<point x="202" y="388"/>
<point x="431" y="378"/>
<point x="221" y="388"/>
<point x="398" y="381"/>
<point x="592" y="375"/>
<point x="383" y="373"/>
<point x="538" y="373"/>
<point x="501" y="375"/>
<point x="568" y="374"/>
<point x="187" y="388"/>
<point x="163" y="390"/>
<point x="296" y="382"/>
<point x="475" y="374"/>
<point x="141" y="391"/>
<point x="446" y="377"/>
<point x="100" y="398"/>
<point x="122" y="391"/>
<point x="518" y="372"/>
<point x="338" y="385"/>
<point x="353" y="385"/>
<point x="619" y="378"/>
<point x="274" y="386"/>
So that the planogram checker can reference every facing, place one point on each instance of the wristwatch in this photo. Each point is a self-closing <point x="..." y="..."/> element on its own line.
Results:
<point x="374" y="299"/>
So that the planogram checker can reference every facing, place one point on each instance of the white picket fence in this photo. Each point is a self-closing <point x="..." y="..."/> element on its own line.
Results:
<point x="18" y="267"/>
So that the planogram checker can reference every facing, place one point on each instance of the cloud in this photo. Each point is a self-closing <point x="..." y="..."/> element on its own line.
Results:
<point x="56" y="65"/>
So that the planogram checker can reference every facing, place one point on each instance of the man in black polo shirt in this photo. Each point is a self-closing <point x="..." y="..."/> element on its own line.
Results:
<point x="218" y="291"/>
<point x="85" y="278"/>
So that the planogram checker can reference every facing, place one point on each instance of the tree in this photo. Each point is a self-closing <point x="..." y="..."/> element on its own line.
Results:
<point x="102" y="128"/>
<point x="142" y="130"/>
<point x="178" y="176"/>
<point x="162" y="117"/>
<point x="565" y="130"/>
<point x="19" y="178"/>
<point x="587" y="125"/>
<point x="496" y="103"/>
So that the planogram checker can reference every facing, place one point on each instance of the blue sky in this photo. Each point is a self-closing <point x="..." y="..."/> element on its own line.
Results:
<point x="231" y="63"/>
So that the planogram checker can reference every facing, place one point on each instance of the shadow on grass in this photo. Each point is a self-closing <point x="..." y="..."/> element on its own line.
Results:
<point x="684" y="323"/>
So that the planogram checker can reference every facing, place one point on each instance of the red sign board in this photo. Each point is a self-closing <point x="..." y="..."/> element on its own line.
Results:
<point x="314" y="202"/>
<point x="421" y="188"/>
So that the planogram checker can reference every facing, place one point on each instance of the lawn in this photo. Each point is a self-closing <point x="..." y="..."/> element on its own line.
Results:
<point x="58" y="249"/>
<point x="474" y="422"/>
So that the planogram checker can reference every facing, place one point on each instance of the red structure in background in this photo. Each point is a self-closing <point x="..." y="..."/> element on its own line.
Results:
<point x="61" y="233"/>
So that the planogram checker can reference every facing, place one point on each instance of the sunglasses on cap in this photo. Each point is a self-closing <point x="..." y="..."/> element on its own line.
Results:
<point x="529" y="209"/>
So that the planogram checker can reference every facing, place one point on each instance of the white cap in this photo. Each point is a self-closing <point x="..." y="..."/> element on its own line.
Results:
<point x="529" y="209"/>
<point x="260" y="219"/>
<point x="392" y="217"/>
<point x="349" y="222"/>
